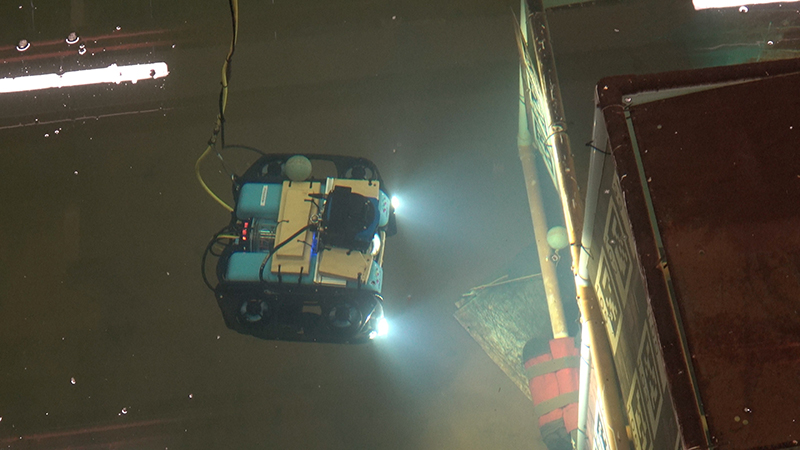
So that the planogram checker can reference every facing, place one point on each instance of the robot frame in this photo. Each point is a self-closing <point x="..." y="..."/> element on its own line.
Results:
<point x="302" y="256"/>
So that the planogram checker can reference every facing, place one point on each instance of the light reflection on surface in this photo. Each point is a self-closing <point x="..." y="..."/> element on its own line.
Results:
<point x="707" y="4"/>
<point x="111" y="74"/>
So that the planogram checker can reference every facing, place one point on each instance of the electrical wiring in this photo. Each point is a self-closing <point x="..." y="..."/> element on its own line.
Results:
<point x="245" y="147"/>
<point x="221" y="234"/>
<point x="224" y="240"/>
<point x="219" y="126"/>
<point x="278" y="247"/>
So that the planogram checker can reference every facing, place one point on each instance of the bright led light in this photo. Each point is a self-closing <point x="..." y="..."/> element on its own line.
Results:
<point x="383" y="327"/>
<point x="376" y="245"/>
<point x="706" y="4"/>
<point x="395" y="202"/>
<point x="111" y="74"/>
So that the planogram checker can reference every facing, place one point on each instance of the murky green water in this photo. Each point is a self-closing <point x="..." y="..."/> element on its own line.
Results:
<point x="109" y="338"/>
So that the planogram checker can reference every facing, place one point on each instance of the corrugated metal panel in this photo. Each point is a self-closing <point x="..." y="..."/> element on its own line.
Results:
<point x="503" y="318"/>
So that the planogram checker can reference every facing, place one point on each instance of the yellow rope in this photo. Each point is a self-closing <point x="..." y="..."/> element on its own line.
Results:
<point x="234" y="4"/>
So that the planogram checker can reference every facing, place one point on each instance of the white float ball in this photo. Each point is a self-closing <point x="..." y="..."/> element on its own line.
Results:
<point x="297" y="168"/>
<point x="557" y="237"/>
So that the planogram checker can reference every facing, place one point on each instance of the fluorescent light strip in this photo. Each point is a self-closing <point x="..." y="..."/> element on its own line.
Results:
<point x="706" y="4"/>
<point x="111" y="74"/>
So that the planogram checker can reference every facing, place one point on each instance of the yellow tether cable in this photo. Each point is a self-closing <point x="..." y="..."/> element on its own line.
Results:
<point x="234" y="5"/>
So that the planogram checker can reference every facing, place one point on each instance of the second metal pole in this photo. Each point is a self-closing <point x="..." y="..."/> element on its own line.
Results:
<point x="528" y="160"/>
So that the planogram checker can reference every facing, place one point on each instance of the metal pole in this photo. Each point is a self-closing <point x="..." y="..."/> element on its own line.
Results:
<point x="572" y="203"/>
<point x="528" y="160"/>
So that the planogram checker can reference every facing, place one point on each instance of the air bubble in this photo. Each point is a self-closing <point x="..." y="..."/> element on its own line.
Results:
<point x="743" y="9"/>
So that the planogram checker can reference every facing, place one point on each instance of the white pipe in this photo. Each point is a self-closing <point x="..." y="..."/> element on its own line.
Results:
<point x="583" y="393"/>
<point x="596" y="166"/>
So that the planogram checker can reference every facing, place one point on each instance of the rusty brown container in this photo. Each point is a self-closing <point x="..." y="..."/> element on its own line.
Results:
<point x="696" y="254"/>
